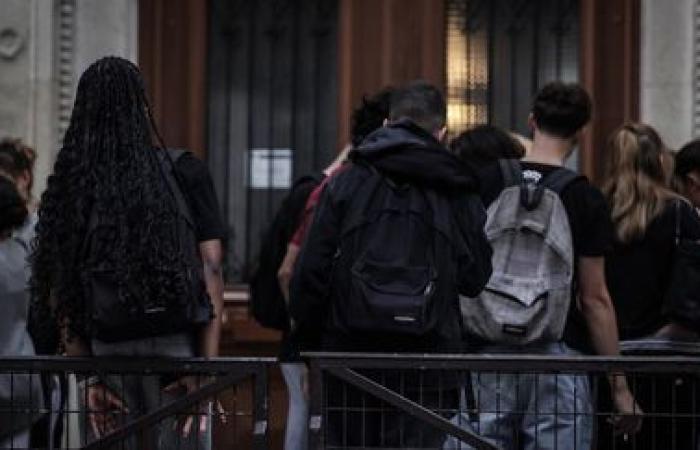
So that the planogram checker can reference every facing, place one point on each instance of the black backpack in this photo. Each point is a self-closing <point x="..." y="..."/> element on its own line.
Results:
<point x="266" y="299"/>
<point x="111" y="319"/>
<point x="394" y="271"/>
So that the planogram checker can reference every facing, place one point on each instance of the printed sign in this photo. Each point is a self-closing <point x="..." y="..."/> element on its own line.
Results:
<point x="270" y="168"/>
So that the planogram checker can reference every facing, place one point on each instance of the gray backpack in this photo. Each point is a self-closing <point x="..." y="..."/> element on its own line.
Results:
<point x="528" y="295"/>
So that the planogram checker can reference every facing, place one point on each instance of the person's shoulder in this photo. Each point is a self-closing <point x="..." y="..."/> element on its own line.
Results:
<point x="581" y="188"/>
<point x="346" y="177"/>
<point x="189" y="167"/>
<point x="490" y="182"/>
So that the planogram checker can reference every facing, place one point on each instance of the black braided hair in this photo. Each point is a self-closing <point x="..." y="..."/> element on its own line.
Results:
<point x="108" y="164"/>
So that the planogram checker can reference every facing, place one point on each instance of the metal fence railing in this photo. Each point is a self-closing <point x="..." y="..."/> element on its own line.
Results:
<point x="169" y="403"/>
<point x="481" y="401"/>
<point x="502" y="401"/>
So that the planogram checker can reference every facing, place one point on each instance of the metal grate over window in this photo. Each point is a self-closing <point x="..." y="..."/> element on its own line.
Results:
<point x="272" y="110"/>
<point x="500" y="52"/>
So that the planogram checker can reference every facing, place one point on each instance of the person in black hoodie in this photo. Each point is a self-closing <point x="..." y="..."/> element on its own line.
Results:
<point x="402" y="230"/>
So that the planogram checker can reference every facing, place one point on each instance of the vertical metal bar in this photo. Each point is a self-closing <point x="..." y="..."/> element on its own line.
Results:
<point x="575" y="412"/>
<point x="556" y="410"/>
<point x="654" y="406"/>
<point x="535" y="74"/>
<point x="558" y="34"/>
<point x="274" y="34"/>
<point x="296" y="64"/>
<point x="249" y="132"/>
<point x="513" y="75"/>
<point x="260" y="407"/>
<point x="316" y="101"/>
<point x="694" y="411"/>
<point x="471" y="83"/>
<point x="537" y="410"/>
<point x="226" y="189"/>
<point x="490" y="34"/>
<point x="316" y="410"/>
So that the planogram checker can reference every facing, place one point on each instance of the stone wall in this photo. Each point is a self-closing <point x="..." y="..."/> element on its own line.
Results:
<point x="668" y="69"/>
<point x="44" y="46"/>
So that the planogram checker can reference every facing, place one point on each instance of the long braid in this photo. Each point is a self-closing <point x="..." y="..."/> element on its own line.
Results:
<point x="108" y="165"/>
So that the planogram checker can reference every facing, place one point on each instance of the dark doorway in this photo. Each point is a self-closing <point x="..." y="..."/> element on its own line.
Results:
<point x="272" y="75"/>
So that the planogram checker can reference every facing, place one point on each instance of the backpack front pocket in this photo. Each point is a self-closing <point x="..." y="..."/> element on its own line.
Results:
<point x="391" y="299"/>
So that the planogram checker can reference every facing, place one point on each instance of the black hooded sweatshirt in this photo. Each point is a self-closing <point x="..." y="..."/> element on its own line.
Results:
<point x="406" y="154"/>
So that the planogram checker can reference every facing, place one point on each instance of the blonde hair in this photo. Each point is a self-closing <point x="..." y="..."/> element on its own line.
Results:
<point x="638" y="179"/>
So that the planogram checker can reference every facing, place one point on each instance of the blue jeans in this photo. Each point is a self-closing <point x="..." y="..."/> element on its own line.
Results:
<point x="296" y="434"/>
<point x="143" y="393"/>
<point x="531" y="411"/>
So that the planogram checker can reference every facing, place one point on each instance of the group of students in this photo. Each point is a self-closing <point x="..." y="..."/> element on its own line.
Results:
<point x="414" y="246"/>
<point x="404" y="244"/>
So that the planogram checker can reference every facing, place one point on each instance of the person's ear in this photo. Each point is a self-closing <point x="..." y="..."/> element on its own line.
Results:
<point x="23" y="182"/>
<point x="693" y="178"/>
<point x="531" y="124"/>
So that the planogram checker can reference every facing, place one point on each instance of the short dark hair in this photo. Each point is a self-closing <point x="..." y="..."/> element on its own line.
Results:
<point x="485" y="144"/>
<point x="15" y="157"/>
<point x="688" y="158"/>
<point x="13" y="211"/>
<point x="422" y="103"/>
<point x="561" y="109"/>
<point x="370" y="115"/>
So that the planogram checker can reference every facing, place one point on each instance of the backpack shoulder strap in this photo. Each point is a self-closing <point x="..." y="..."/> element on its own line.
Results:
<point x="559" y="179"/>
<point x="177" y="153"/>
<point x="511" y="171"/>
<point x="306" y="179"/>
<point x="168" y="160"/>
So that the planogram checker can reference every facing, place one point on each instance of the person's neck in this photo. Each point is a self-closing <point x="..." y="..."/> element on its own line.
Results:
<point x="548" y="149"/>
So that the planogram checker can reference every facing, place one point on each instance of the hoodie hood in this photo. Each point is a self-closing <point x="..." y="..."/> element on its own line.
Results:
<point x="405" y="151"/>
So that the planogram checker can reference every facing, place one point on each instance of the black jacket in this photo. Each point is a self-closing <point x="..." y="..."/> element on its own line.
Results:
<point x="404" y="153"/>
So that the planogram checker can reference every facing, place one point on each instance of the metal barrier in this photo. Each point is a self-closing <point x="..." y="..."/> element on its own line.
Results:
<point x="384" y="400"/>
<point x="500" y="401"/>
<point x="233" y="391"/>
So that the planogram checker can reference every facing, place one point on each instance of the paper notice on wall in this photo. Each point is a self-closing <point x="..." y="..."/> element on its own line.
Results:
<point x="270" y="168"/>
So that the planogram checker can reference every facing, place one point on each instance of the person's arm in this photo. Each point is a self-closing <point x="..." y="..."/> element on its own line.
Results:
<point x="99" y="398"/>
<point x="310" y="283"/>
<point x="198" y="188"/>
<point x="211" y="253"/>
<point x="286" y="270"/>
<point x="474" y="265"/>
<point x="599" y="313"/>
<point x="74" y="345"/>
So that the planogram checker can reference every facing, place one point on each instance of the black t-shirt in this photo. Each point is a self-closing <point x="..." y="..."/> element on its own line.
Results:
<point x="591" y="229"/>
<point x="199" y="190"/>
<point x="638" y="272"/>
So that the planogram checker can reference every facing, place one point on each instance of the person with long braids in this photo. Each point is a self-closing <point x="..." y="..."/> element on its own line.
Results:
<point x="112" y="207"/>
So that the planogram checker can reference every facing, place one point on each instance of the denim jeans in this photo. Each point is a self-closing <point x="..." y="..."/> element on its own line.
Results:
<point x="296" y="430"/>
<point x="531" y="411"/>
<point x="143" y="393"/>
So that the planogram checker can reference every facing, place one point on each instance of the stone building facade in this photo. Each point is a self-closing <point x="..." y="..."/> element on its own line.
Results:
<point x="44" y="46"/>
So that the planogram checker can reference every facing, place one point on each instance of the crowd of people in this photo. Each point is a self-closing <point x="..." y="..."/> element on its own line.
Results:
<point x="408" y="242"/>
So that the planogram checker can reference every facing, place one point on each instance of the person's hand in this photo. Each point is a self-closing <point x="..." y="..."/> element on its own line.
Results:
<point x="103" y="405"/>
<point x="628" y="414"/>
<point x="675" y="331"/>
<point x="188" y="385"/>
